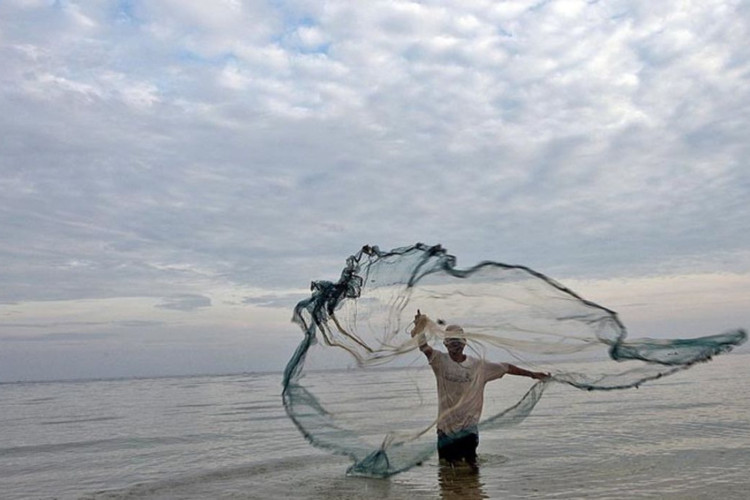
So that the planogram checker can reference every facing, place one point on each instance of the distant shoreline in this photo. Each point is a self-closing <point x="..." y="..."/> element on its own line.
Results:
<point x="138" y="377"/>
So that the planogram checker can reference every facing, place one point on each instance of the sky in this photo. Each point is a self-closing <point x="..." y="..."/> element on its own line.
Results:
<point x="174" y="174"/>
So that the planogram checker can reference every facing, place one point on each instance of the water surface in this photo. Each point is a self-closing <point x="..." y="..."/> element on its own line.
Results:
<point x="686" y="436"/>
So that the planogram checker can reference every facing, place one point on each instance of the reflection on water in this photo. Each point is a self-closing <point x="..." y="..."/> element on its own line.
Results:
<point x="459" y="482"/>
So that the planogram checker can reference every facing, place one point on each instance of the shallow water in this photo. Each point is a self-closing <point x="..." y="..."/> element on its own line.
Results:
<point x="686" y="436"/>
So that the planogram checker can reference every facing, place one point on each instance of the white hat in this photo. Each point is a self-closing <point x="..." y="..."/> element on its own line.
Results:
<point x="455" y="333"/>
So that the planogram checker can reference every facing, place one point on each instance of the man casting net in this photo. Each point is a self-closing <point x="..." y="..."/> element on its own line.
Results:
<point x="358" y="384"/>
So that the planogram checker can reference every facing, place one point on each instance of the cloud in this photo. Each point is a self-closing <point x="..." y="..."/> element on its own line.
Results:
<point x="160" y="149"/>
<point x="53" y="324"/>
<point x="524" y="120"/>
<point x="139" y="323"/>
<point x="185" y="302"/>
<point x="58" y="337"/>
<point x="285" y="301"/>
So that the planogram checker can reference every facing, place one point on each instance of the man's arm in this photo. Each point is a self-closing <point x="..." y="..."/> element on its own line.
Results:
<point x="514" y="370"/>
<point x="420" y="322"/>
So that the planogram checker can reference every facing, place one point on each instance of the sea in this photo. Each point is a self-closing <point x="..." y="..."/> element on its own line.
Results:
<point x="686" y="436"/>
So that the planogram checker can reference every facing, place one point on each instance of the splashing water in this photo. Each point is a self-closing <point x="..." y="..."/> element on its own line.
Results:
<point x="358" y="386"/>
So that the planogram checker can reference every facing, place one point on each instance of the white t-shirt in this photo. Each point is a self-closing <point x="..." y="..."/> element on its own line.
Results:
<point x="461" y="389"/>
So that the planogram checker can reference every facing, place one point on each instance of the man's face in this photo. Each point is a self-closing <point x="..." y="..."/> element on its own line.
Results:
<point x="454" y="346"/>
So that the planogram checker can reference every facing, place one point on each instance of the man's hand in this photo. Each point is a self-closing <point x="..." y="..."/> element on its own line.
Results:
<point x="420" y="321"/>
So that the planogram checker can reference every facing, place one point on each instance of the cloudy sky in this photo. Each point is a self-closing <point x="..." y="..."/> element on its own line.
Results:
<point x="173" y="174"/>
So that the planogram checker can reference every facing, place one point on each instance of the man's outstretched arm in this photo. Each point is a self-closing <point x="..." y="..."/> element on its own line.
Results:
<point x="514" y="370"/>
<point x="420" y="322"/>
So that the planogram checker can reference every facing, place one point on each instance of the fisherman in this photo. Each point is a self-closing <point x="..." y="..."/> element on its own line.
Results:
<point x="460" y="385"/>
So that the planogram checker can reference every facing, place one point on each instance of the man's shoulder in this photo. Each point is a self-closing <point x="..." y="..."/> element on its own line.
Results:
<point x="485" y="365"/>
<point x="437" y="355"/>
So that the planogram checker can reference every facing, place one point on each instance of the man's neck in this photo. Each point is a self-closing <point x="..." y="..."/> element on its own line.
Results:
<point x="458" y="358"/>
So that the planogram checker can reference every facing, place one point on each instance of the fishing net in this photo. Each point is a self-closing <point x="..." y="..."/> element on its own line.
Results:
<point x="359" y="385"/>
